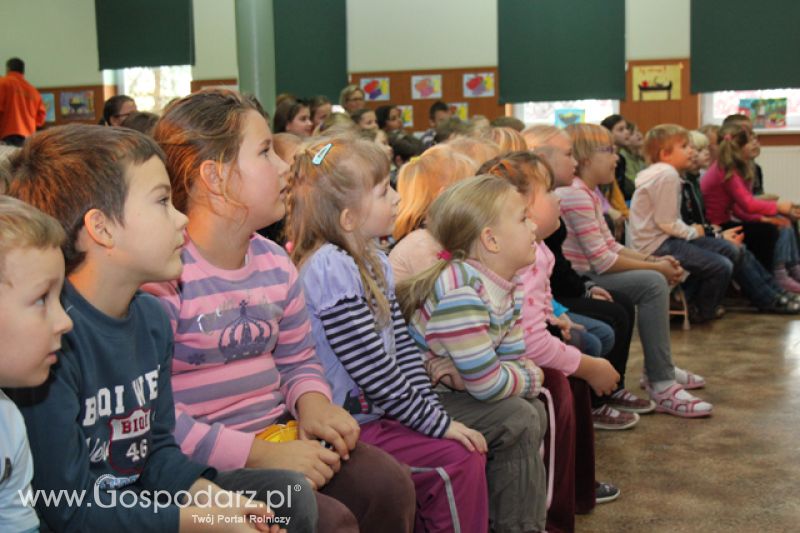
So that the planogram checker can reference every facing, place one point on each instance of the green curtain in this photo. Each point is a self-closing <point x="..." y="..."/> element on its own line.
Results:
<point x="310" y="47"/>
<point x="560" y="49"/>
<point x="144" y="33"/>
<point x="744" y="45"/>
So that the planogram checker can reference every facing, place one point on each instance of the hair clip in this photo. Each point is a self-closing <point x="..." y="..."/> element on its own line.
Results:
<point x="444" y="255"/>
<point x="317" y="160"/>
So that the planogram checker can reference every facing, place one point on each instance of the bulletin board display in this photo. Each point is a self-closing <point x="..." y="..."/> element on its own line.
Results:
<point x="469" y="92"/>
<point x="658" y="92"/>
<point x="71" y="104"/>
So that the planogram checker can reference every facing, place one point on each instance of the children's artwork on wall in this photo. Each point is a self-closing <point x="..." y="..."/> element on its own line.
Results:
<point x="49" y="100"/>
<point x="407" y="114"/>
<point x="428" y="86"/>
<point x="764" y="112"/>
<point x="656" y="82"/>
<point x="479" y="85"/>
<point x="375" y="89"/>
<point x="460" y="110"/>
<point x="565" y="117"/>
<point x="77" y="105"/>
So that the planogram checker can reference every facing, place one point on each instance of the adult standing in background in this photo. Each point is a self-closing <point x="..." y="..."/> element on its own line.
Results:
<point x="21" y="107"/>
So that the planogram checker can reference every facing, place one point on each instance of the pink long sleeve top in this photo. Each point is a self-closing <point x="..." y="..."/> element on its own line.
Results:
<point x="732" y="197"/>
<point x="540" y="346"/>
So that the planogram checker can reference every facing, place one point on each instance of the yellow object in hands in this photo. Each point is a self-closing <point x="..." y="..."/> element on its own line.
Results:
<point x="280" y="432"/>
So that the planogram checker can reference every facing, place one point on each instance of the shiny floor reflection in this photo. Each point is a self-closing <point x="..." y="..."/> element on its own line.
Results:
<point x="738" y="471"/>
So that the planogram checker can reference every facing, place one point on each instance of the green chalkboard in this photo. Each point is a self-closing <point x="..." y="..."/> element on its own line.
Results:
<point x="144" y="33"/>
<point x="560" y="49"/>
<point x="741" y="45"/>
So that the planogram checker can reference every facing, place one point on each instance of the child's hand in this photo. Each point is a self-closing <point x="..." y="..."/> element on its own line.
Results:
<point x="784" y="207"/>
<point x="469" y="438"/>
<point x="781" y="222"/>
<point x="599" y="293"/>
<point x="601" y="376"/>
<point x="701" y="231"/>
<point x="443" y="370"/>
<point x="734" y="235"/>
<point x="319" y="419"/>
<point x="669" y="270"/>
<point x="307" y="457"/>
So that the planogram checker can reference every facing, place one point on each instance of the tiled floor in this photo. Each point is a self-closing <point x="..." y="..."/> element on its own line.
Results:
<point x="738" y="471"/>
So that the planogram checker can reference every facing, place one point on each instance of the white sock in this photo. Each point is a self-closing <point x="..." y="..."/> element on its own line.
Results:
<point x="682" y="377"/>
<point x="661" y="386"/>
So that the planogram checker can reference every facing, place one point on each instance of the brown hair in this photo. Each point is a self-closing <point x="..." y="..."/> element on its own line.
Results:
<point x="24" y="226"/>
<point x="421" y="180"/>
<point x="523" y="169"/>
<point x="732" y="138"/>
<point x="663" y="137"/>
<point x="479" y="150"/>
<point x="456" y="220"/>
<point x="141" y="121"/>
<point x="68" y="170"/>
<point x="204" y="126"/>
<point x="319" y="190"/>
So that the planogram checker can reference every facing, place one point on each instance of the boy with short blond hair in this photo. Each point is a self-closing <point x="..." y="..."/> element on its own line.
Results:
<point x="656" y="226"/>
<point x="31" y="324"/>
<point x="108" y="404"/>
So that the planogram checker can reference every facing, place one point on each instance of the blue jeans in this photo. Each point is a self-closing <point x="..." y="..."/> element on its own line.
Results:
<point x="786" y="253"/>
<point x="596" y="340"/>
<point x="756" y="282"/>
<point x="710" y="272"/>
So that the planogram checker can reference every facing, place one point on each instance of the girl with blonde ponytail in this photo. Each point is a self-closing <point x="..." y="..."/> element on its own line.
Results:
<point x="465" y="315"/>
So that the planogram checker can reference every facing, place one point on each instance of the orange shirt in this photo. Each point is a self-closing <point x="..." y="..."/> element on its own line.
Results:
<point x="21" y="106"/>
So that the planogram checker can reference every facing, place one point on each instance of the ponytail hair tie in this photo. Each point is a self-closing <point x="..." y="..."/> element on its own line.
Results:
<point x="728" y="137"/>
<point x="444" y="255"/>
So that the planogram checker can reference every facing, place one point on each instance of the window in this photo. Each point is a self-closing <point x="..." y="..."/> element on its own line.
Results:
<point x="718" y="105"/>
<point x="545" y="112"/>
<point x="153" y="88"/>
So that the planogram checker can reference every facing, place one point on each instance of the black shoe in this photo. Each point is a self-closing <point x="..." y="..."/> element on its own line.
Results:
<point x="783" y="306"/>
<point x="605" y="492"/>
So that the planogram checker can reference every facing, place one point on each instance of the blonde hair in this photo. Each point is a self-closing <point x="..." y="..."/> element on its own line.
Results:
<point x="539" y="135"/>
<point x="347" y="92"/>
<point x="698" y="139"/>
<point x="457" y="218"/>
<point x="478" y="150"/>
<point x="421" y="180"/>
<point x="523" y="169"/>
<point x="286" y="144"/>
<point x="318" y="193"/>
<point x="24" y="226"/>
<point x="507" y="139"/>
<point x="586" y="139"/>
<point x="663" y="137"/>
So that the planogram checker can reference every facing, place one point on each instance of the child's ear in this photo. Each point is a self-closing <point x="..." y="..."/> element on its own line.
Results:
<point x="211" y="177"/>
<point x="347" y="219"/>
<point x="489" y="241"/>
<point x="98" y="228"/>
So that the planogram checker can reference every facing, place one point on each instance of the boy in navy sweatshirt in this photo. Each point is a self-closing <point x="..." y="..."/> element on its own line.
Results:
<point x="102" y="424"/>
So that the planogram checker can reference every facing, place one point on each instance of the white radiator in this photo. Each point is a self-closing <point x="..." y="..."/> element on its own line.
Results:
<point x="781" y="166"/>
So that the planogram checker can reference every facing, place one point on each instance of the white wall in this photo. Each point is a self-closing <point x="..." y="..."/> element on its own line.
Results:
<point x="420" y="34"/>
<point x="657" y="29"/>
<point x="215" y="40"/>
<point x="56" y="39"/>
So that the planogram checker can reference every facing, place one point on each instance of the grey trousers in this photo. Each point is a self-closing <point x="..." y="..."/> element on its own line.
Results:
<point x="514" y="429"/>
<point x="649" y="292"/>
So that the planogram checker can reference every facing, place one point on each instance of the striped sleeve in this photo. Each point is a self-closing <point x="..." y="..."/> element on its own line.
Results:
<point x="459" y="327"/>
<point x="295" y="354"/>
<point x="409" y="358"/>
<point x="350" y="330"/>
<point x="585" y="228"/>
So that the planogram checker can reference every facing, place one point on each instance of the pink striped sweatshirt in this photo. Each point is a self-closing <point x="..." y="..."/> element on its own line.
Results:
<point x="244" y="352"/>
<point x="540" y="346"/>
<point x="589" y="246"/>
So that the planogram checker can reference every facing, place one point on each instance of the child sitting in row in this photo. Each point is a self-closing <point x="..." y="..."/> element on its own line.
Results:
<point x="32" y="322"/>
<point x="657" y="229"/>
<point x="339" y="204"/>
<point x="465" y="313"/>
<point x="244" y="354"/>
<point x="591" y="249"/>
<point x="108" y="403"/>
